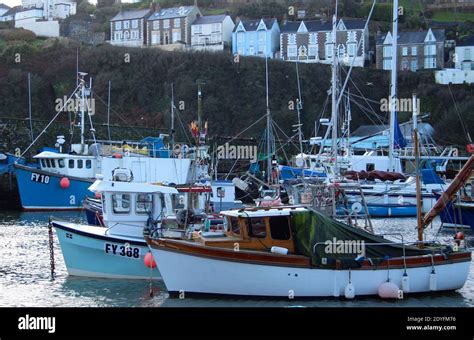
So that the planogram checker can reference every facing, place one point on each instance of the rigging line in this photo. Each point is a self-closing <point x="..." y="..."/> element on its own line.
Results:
<point x="367" y="114"/>
<point x="92" y="130"/>
<point x="468" y="136"/>
<point x="286" y="136"/>
<point x="49" y="124"/>
<point x="181" y="124"/>
<point x="363" y="97"/>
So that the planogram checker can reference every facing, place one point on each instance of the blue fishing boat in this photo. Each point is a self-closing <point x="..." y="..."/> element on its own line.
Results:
<point x="457" y="214"/>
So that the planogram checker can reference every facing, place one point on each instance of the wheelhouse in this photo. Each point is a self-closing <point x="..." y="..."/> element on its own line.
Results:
<point x="67" y="164"/>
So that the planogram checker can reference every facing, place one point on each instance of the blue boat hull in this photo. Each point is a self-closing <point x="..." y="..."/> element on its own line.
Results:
<point x="41" y="190"/>
<point x="288" y="172"/>
<point x="457" y="216"/>
<point x="392" y="210"/>
<point x="94" y="254"/>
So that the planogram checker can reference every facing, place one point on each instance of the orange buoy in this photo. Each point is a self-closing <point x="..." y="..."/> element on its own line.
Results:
<point x="64" y="183"/>
<point x="149" y="260"/>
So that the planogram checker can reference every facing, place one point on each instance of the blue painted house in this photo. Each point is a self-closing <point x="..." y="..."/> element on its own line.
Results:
<point x="259" y="38"/>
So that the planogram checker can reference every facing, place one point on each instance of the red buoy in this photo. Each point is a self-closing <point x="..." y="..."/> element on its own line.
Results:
<point x="149" y="260"/>
<point x="64" y="183"/>
<point x="98" y="195"/>
<point x="117" y="155"/>
<point x="459" y="235"/>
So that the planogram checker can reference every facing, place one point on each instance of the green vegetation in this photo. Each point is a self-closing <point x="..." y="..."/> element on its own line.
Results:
<point x="234" y="94"/>
<point x="451" y="16"/>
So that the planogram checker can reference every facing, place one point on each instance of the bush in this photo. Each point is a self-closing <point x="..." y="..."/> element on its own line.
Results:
<point x="17" y="34"/>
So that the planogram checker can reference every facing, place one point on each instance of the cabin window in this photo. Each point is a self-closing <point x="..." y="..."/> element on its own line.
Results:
<point x="257" y="227"/>
<point x="121" y="203"/>
<point x="79" y="163"/>
<point x="43" y="163"/>
<point x="53" y="163"/>
<point x="144" y="203"/>
<point x="61" y="163"/>
<point x="88" y="164"/>
<point x="234" y="225"/>
<point x="370" y="167"/>
<point x="178" y="201"/>
<point x="71" y="164"/>
<point x="48" y="163"/>
<point x="279" y="228"/>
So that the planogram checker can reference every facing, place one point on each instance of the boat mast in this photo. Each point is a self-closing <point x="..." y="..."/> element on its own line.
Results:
<point x="299" y="106"/>
<point x="269" y="161"/>
<point x="83" y="105"/>
<point x="419" y="199"/>
<point x="393" y="86"/>
<point x="333" y="90"/>
<point x="172" y="117"/>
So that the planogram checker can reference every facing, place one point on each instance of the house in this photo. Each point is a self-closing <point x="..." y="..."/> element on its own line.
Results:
<point x="256" y="38"/>
<point x="415" y="50"/>
<point x="212" y="32"/>
<point x="3" y="9"/>
<point x="128" y="28"/>
<point x="464" y="54"/>
<point x="9" y="15"/>
<point x="52" y="9"/>
<point x="311" y="41"/>
<point x="170" y="28"/>
<point x="464" y="65"/>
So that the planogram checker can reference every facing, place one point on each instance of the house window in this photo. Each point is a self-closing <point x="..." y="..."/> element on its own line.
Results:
<point x="155" y="38"/>
<point x="404" y="51"/>
<point x="144" y="203"/>
<point x="280" y="228"/>
<point x="198" y="29"/>
<point x="404" y="65"/>
<point x="414" y="50"/>
<point x="156" y="25"/>
<point x="351" y="49"/>
<point x="126" y="35"/>
<point x="177" y="22"/>
<point x="430" y="50"/>
<point x="118" y="25"/>
<point x="261" y="49"/>
<point x="256" y="227"/>
<point x="387" y="64"/>
<point x="312" y="38"/>
<point x="261" y="36"/>
<point x="126" y="24"/>
<point x="135" y="23"/>
<point x="240" y="38"/>
<point x="430" y="62"/>
<point x="134" y="34"/>
<point x="216" y="27"/>
<point x="387" y="51"/>
<point x="176" y="36"/>
<point x="467" y="54"/>
<point x="414" y="65"/>
<point x="292" y="39"/>
<point x="312" y="51"/>
<point x="121" y="203"/>
<point x="328" y="51"/>
<point x="166" y="23"/>
<point x="292" y="51"/>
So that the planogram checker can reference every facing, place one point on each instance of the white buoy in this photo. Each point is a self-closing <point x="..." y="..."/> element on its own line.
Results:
<point x="388" y="290"/>
<point x="405" y="283"/>
<point x="349" y="291"/>
<point x="279" y="250"/>
<point x="433" y="281"/>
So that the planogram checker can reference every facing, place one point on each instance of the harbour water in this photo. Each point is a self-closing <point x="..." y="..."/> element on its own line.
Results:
<point x="25" y="276"/>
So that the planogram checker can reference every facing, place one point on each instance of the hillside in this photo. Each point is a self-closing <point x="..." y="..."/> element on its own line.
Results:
<point x="234" y="93"/>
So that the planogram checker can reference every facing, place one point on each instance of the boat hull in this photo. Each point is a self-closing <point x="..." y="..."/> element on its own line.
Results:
<point x="41" y="190"/>
<point x="458" y="215"/>
<point x="88" y="251"/>
<point x="188" y="273"/>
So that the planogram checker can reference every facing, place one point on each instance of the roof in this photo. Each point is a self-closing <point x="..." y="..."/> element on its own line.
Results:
<point x="173" y="12"/>
<point x="252" y="25"/>
<point x="131" y="14"/>
<point x="413" y="37"/>
<point x="467" y="41"/>
<point x="132" y="187"/>
<point x="13" y="10"/>
<point x="56" y="155"/>
<point x="3" y="6"/>
<point x="263" y="212"/>
<point x="318" y="25"/>
<point x="209" y="19"/>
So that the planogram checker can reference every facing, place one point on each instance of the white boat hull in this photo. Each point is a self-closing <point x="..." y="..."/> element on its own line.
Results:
<point x="186" y="273"/>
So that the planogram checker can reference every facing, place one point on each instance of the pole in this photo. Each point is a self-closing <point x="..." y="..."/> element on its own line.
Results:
<point x="83" y="94"/>
<point x="334" y="111"/>
<point x="299" y="106"/>
<point x="393" y="85"/>
<point x="269" y="161"/>
<point x="108" y="112"/>
<point x="29" y="107"/>
<point x="172" y="117"/>
<point x="419" y="199"/>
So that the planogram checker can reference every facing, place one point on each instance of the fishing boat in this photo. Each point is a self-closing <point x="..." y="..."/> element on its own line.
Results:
<point x="116" y="249"/>
<point x="458" y="215"/>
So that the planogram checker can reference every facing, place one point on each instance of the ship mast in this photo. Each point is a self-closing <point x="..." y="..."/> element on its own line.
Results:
<point x="334" y="111"/>
<point x="419" y="199"/>
<point x="268" y="135"/>
<point x="393" y="86"/>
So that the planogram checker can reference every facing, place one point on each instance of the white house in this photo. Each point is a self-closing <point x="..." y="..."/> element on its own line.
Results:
<point x="52" y="9"/>
<point x="211" y="32"/>
<point x="128" y="28"/>
<point x="464" y="65"/>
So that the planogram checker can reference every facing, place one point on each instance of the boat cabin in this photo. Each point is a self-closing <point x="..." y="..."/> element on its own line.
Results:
<point x="256" y="229"/>
<point x="70" y="165"/>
